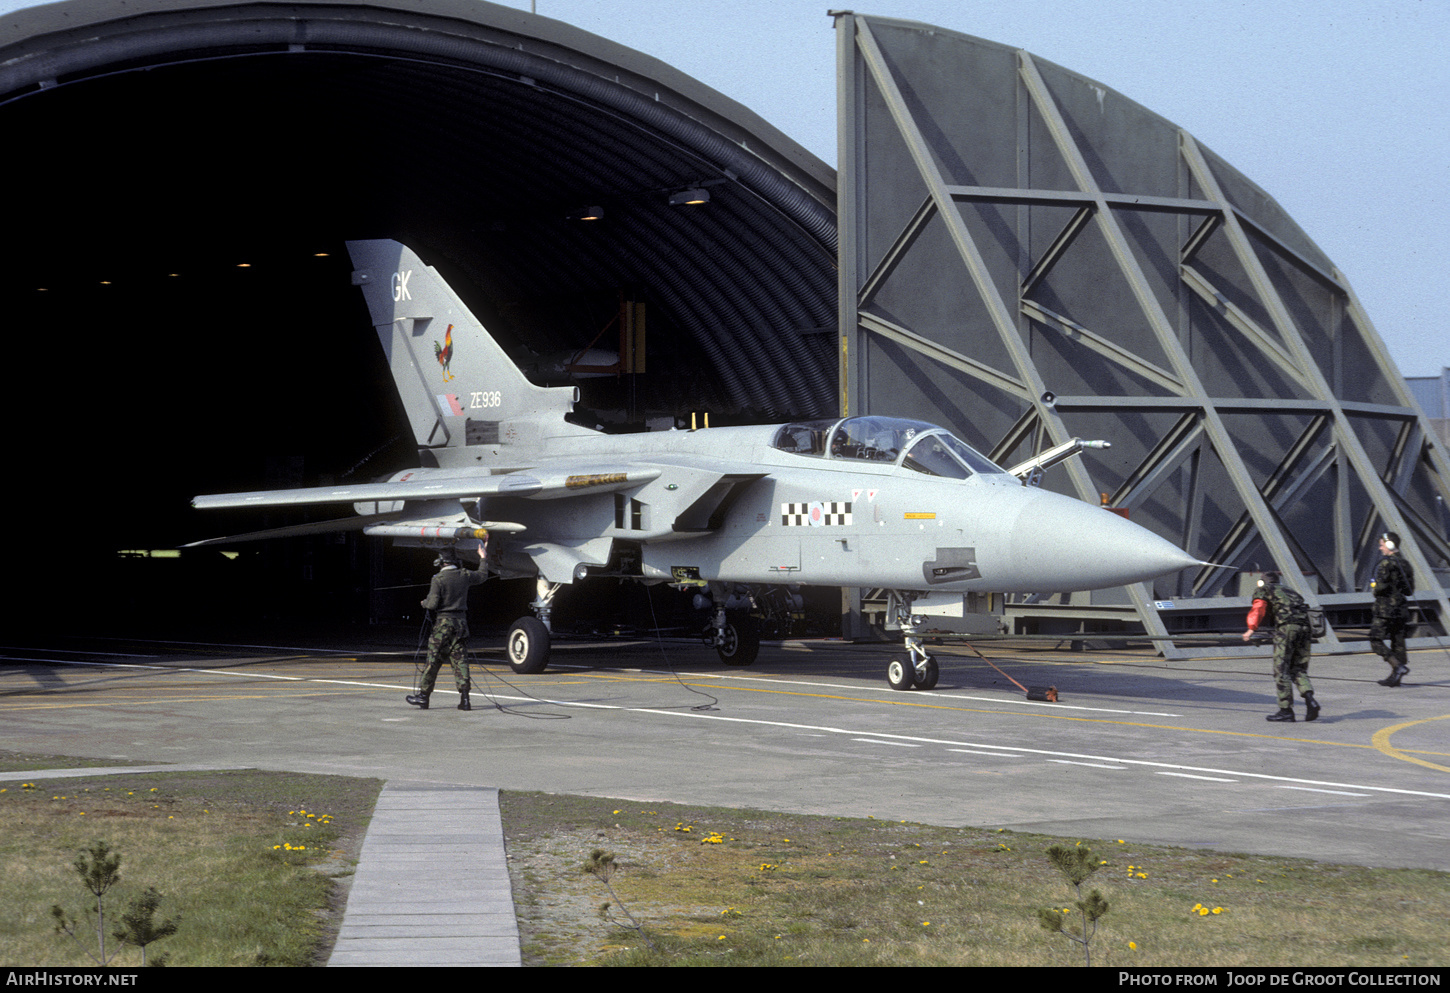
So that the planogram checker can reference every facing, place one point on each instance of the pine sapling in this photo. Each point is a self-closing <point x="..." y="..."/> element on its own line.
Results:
<point x="139" y="926"/>
<point x="1076" y="863"/>
<point x="99" y="872"/>
<point x="601" y="866"/>
<point x="98" y="875"/>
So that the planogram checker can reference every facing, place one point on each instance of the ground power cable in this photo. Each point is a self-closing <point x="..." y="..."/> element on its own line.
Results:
<point x="664" y="655"/>
<point x="476" y="664"/>
<point x="473" y="660"/>
<point x="714" y="703"/>
<point x="420" y="655"/>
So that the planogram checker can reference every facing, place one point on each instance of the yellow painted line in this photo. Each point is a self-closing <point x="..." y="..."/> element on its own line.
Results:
<point x="561" y="679"/>
<point x="1381" y="741"/>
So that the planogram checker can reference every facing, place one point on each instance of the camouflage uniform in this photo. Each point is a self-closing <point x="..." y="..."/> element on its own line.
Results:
<point x="1393" y="584"/>
<point x="448" y="597"/>
<point x="1292" y="639"/>
<point x="1291" y="644"/>
<point x="449" y="637"/>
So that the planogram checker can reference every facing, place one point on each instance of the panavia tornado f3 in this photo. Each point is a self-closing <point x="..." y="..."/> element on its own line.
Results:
<point x="874" y="502"/>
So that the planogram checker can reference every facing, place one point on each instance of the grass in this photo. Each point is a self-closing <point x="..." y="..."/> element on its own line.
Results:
<point x="713" y="886"/>
<point x="719" y="886"/>
<point x="251" y="862"/>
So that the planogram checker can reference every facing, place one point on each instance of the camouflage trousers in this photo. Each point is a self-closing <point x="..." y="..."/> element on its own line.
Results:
<point x="450" y="638"/>
<point x="1389" y="627"/>
<point x="1291" y="663"/>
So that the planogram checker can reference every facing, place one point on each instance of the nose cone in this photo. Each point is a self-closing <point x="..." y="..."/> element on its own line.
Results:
<point x="1058" y="544"/>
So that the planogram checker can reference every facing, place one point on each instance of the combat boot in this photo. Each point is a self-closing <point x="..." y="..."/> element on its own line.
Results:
<point x="1285" y="714"/>
<point x="419" y="700"/>
<point x="1311" y="707"/>
<point x="1398" y="673"/>
<point x="463" y="703"/>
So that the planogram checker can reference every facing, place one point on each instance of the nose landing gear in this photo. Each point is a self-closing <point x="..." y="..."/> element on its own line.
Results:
<point x="918" y="669"/>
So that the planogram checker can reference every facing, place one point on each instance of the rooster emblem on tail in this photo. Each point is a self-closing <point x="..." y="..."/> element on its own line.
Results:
<point x="444" y="353"/>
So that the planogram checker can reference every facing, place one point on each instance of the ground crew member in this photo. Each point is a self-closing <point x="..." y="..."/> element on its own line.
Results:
<point x="1394" y="583"/>
<point x="1290" y="616"/>
<point x="448" y="599"/>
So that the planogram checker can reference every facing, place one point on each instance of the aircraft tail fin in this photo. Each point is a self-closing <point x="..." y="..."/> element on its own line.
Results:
<point x="458" y="386"/>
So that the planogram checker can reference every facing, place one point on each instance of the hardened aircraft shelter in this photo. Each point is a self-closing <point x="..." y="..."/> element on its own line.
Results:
<point x="1009" y="249"/>
<point x="1028" y="257"/>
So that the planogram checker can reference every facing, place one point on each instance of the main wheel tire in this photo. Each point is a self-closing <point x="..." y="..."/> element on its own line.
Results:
<point x="527" y="648"/>
<point x="742" y="640"/>
<point x="927" y="675"/>
<point x="900" y="675"/>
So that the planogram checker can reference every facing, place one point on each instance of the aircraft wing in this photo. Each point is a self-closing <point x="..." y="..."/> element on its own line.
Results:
<point x="431" y="486"/>
<point x="691" y="492"/>
<point x="429" y="493"/>
<point x="353" y="523"/>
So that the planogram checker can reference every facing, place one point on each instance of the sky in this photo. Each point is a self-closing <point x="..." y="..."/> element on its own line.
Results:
<point x="1340" y="111"/>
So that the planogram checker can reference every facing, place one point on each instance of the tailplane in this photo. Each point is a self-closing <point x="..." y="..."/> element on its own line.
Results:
<point x="458" y="386"/>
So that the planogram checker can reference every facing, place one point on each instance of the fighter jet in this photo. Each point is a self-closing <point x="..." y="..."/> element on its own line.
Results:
<point x="868" y="501"/>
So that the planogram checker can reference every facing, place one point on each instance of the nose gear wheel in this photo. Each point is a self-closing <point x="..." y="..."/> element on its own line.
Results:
<point x="918" y="670"/>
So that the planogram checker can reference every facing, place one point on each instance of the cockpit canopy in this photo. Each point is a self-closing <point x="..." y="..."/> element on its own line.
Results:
<point x="915" y="445"/>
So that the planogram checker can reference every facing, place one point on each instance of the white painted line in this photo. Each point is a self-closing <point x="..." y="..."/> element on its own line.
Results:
<point x="827" y="729"/>
<point x="1187" y="775"/>
<point x="878" y="741"/>
<point x="995" y="755"/>
<point x="1310" y="789"/>
<point x="241" y="675"/>
<point x="1095" y="765"/>
<point x="70" y="651"/>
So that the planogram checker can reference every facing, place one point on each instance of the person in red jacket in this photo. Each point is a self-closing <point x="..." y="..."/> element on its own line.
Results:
<point x="1290" y="617"/>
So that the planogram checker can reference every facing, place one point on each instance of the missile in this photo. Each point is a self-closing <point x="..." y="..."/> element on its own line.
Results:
<point x="441" y="534"/>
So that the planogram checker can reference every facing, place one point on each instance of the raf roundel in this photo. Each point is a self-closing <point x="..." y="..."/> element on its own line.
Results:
<point x="815" y="514"/>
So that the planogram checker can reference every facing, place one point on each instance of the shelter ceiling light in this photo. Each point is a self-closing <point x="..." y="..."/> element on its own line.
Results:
<point x="694" y="195"/>
<point x="588" y="214"/>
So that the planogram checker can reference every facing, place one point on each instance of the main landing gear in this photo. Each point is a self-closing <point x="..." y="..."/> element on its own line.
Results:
<point x="527" y="647"/>
<point x="733" y="631"/>
<point x="918" y="669"/>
